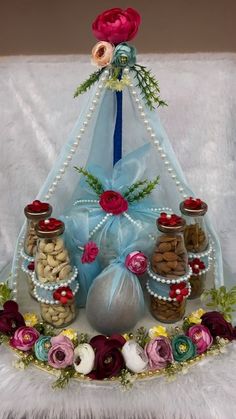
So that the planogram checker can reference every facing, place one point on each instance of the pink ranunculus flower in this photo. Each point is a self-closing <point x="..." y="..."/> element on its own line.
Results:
<point x="116" y="25"/>
<point x="159" y="353"/>
<point x="136" y="262"/>
<point x="24" y="338"/>
<point x="113" y="202"/>
<point x="61" y="353"/>
<point x="102" y="53"/>
<point x="201" y="337"/>
<point x="90" y="252"/>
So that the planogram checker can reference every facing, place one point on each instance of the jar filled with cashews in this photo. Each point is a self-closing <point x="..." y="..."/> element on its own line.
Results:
<point x="34" y="212"/>
<point x="52" y="267"/>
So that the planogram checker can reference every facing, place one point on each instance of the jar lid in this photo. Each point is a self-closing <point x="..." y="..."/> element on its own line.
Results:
<point x="49" y="228"/>
<point x="38" y="210"/>
<point x="194" y="207"/>
<point x="170" y="223"/>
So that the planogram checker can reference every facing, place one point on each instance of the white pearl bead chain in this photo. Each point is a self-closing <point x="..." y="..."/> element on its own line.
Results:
<point x="86" y="201"/>
<point x="99" y="225"/>
<point x="54" y="285"/>
<point x="164" y="280"/>
<point x="156" y="143"/>
<point x="43" y="300"/>
<point x="167" y="298"/>
<point x="135" y="223"/>
<point x="25" y="256"/>
<point x="74" y="147"/>
<point x="201" y="254"/>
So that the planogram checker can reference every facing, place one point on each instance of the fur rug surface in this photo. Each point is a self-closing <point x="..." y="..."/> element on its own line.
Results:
<point x="207" y="391"/>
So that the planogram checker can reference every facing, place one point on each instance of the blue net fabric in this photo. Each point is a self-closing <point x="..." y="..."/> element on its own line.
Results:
<point x="145" y="148"/>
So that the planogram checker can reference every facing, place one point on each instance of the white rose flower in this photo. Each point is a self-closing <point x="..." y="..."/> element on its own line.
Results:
<point x="84" y="357"/>
<point x="135" y="358"/>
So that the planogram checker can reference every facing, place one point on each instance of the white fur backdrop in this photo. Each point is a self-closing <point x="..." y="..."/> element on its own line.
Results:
<point x="37" y="113"/>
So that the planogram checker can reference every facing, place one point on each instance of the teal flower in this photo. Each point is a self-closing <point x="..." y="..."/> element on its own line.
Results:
<point x="183" y="348"/>
<point x="124" y="55"/>
<point x="42" y="347"/>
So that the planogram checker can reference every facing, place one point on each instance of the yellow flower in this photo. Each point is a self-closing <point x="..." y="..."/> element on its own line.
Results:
<point x="157" y="331"/>
<point x="126" y="336"/>
<point x="31" y="319"/>
<point x="195" y="316"/>
<point x="69" y="333"/>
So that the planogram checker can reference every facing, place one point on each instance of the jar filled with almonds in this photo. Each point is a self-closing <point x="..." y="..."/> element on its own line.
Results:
<point x="195" y="233"/>
<point x="55" y="282"/>
<point x="169" y="270"/>
<point x="34" y="212"/>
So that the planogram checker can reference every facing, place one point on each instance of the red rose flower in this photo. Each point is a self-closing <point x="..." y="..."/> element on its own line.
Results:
<point x="38" y="206"/>
<point x="169" y="219"/>
<point x="108" y="358"/>
<point x="90" y="252"/>
<point x="197" y="265"/>
<point x="50" y="224"/>
<point x="31" y="266"/>
<point x="10" y="318"/>
<point x="178" y="291"/>
<point x="218" y="326"/>
<point x="63" y="294"/>
<point x="113" y="202"/>
<point x="116" y="25"/>
<point x="193" y="203"/>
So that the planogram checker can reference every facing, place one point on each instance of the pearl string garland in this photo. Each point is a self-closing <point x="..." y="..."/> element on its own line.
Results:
<point x="156" y="142"/>
<point x="53" y="285"/>
<point x="154" y="294"/>
<point x="163" y="280"/>
<point x="25" y="256"/>
<point x="75" y="145"/>
<point x="43" y="300"/>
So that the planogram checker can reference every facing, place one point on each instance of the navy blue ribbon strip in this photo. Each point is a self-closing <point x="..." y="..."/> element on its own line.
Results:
<point x="117" y="138"/>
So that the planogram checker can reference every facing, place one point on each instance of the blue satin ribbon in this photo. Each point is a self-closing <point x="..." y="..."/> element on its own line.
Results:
<point x="117" y="138"/>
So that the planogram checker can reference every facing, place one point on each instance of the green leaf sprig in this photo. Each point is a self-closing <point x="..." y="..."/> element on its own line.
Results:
<point x="149" y="186"/>
<point x="64" y="378"/>
<point x="149" y="87"/>
<point x="5" y="293"/>
<point x="92" y="180"/>
<point x="87" y="84"/>
<point x="222" y="300"/>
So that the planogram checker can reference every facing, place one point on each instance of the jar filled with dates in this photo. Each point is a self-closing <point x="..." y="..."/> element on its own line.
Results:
<point x="52" y="267"/>
<point x="195" y="233"/>
<point x="34" y="212"/>
<point x="169" y="265"/>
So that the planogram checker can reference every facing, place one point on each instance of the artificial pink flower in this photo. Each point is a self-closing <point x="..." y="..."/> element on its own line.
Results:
<point x="159" y="352"/>
<point x="102" y="53"/>
<point x="90" y="252"/>
<point x="201" y="337"/>
<point x="24" y="338"/>
<point x="136" y="262"/>
<point x="61" y="353"/>
<point x="116" y="25"/>
<point x="113" y="202"/>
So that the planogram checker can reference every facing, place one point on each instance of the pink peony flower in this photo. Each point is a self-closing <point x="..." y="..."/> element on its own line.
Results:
<point x="136" y="262"/>
<point x="201" y="337"/>
<point x="90" y="252"/>
<point x="102" y="53"/>
<point x="24" y="338"/>
<point x="116" y="25"/>
<point x="159" y="352"/>
<point x="61" y="353"/>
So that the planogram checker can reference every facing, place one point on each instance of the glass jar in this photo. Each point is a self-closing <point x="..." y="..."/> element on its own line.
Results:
<point x="170" y="259"/>
<point x="168" y="286"/>
<point x="58" y="315"/>
<point x="31" y="286"/>
<point x="34" y="212"/>
<point x="195" y="233"/>
<point x="54" y="273"/>
<point x="167" y="311"/>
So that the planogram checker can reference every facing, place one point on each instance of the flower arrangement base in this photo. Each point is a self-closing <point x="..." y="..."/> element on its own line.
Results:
<point x="167" y="311"/>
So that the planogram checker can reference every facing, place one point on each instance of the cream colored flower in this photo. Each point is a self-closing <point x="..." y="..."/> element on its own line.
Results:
<point x="157" y="331"/>
<point x="135" y="358"/>
<point x="84" y="357"/>
<point x="31" y="319"/>
<point x="70" y="333"/>
<point x="102" y="54"/>
<point x="195" y="316"/>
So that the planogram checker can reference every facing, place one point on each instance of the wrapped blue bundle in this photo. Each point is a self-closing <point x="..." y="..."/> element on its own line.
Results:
<point x="83" y="252"/>
<point x="115" y="300"/>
